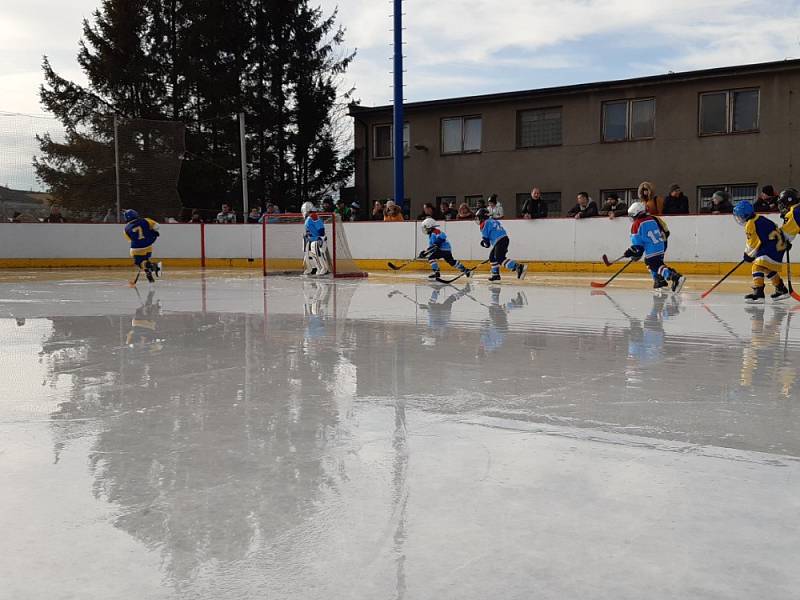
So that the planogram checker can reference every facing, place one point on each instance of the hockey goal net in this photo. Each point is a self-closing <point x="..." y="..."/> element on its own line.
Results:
<point x="283" y="247"/>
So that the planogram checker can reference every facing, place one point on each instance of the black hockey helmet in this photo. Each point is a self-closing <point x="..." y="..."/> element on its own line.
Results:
<point x="786" y="199"/>
<point x="481" y="215"/>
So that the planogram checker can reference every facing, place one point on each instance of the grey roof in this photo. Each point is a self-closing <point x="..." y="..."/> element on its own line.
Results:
<point x="780" y="65"/>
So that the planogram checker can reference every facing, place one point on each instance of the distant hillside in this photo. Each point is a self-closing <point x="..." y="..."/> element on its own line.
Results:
<point x="34" y="203"/>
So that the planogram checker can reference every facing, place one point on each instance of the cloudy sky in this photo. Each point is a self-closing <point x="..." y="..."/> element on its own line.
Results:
<point x="461" y="47"/>
<point x="465" y="47"/>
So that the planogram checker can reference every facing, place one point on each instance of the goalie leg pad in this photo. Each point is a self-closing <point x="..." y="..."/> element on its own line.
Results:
<point x="319" y="253"/>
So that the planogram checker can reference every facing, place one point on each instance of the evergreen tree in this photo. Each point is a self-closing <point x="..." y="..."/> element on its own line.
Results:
<point x="197" y="63"/>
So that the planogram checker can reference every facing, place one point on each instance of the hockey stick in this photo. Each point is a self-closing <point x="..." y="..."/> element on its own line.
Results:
<point x="794" y="294"/>
<point x="728" y="274"/>
<point x="602" y="284"/>
<point x="132" y="282"/>
<point x="463" y="273"/>
<point x="608" y="263"/>
<point x="395" y="267"/>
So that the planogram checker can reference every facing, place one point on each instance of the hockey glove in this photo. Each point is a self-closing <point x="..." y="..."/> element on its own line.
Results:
<point x="748" y="258"/>
<point x="423" y="254"/>
<point x="485" y="243"/>
<point x="156" y="233"/>
<point x="634" y="252"/>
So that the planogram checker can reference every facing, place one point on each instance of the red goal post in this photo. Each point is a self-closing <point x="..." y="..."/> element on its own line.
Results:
<point x="282" y="245"/>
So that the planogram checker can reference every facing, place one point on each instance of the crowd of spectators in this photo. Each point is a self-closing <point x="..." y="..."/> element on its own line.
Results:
<point x="534" y="207"/>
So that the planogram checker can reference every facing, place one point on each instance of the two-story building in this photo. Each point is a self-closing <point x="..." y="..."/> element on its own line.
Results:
<point x="731" y="128"/>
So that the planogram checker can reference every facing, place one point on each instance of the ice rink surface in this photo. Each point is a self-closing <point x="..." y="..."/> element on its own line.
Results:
<point x="225" y="436"/>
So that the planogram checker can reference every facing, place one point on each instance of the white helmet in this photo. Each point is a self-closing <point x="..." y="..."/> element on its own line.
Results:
<point x="636" y="209"/>
<point x="429" y="224"/>
<point x="306" y="208"/>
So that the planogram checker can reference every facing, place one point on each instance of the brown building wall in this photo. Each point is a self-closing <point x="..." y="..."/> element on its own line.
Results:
<point x="583" y="162"/>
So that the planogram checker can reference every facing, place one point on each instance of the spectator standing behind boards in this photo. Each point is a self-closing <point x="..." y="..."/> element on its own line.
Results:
<point x="647" y="194"/>
<point x="767" y="200"/>
<point x="495" y="208"/>
<point x="429" y="210"/>
<point x="327" y="205"/>
<point x="377" y="211"/>
<point x="109" y="218"/>
<point x="464" y="213"/>
<point x="343" y="210"/>
<point x="254" y="216"/>
<point x="614" y="207"/>
<point x="481" y="203"/>
<point x="55" y="215"/>
<point x="720" y="204"/>
<point x="393" y="213"/>
<point x="355" y="208"/>
<point x="226" y="215"/>
<point x="196" y="217"/>
<point x="676" y="203"/>
<point x="448" y="212"/>
<point x="535" y="207"/>
<point x="585" y="208"/>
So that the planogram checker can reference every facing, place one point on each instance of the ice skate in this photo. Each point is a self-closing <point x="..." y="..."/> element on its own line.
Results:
<point x="677" y="282"/>
<point x="522" y="270"/>
<point x="757" y="297"/>
<point x="781" y="292"/>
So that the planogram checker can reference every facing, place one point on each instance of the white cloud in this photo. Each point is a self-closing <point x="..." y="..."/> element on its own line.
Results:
<point x="466" y="46"/>
<point x="453" y="38"/>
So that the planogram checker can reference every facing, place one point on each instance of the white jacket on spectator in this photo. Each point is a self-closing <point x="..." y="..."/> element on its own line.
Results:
<point x="226" y="217"/>
<point x="496" y="211"/>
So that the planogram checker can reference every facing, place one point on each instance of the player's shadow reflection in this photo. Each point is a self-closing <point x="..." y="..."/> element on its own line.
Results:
<point x="646" y="336"/>
<point x="143" y="334"/>
<point x="765" y="359"/>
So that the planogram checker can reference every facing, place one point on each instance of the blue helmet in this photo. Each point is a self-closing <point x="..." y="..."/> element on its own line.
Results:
<point x="743" y="212"/>
<point x="130" y="215"/>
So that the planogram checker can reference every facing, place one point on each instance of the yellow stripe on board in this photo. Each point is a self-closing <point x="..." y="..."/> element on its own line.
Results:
<point x="375" y="265"/>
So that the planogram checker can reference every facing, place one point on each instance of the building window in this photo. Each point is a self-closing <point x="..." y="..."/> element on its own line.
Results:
<point x="539" y="127"/>
<point x="472" y="201"/>
<point x="451" y="200"/>
<point x="461" y="134"/>
<point x="383" y="140"/>
<point x="552" y="199"/>
<point x="625" y="120"/>
<point x="731" y="111"/>
<point x="738" y="192"/>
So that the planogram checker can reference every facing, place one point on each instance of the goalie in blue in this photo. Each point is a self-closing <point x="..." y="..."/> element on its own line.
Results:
<point x="438" y="249"/>
<point x="494" y="236"/>
<point x="315" y="243"/>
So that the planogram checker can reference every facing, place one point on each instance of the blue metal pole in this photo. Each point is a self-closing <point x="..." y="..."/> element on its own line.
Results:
<point x="399" y="187"/>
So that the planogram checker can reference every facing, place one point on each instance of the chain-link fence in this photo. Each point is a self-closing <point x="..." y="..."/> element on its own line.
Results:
<point x="48" y="172"/>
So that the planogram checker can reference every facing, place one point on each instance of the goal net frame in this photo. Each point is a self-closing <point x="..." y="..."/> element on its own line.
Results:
<point x="341" y="260"/>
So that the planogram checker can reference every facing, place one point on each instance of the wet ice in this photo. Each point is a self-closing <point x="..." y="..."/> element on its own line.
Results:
<point x="227" y="436"/>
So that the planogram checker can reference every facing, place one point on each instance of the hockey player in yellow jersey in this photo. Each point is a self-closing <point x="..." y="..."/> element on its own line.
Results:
<point x="790" y="211"/>
<point x="764" y="249"/>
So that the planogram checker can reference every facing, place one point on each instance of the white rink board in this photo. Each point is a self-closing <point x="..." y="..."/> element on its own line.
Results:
<point x="694" y="239"/>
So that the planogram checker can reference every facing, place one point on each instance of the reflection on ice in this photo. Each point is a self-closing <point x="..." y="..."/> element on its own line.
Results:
<point x="296" y="438"/>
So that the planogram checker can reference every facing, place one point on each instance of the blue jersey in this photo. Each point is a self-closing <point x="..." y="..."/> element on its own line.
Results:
<point x="315" y="228"/>
<point x="492" y="231"/>
<point x="439" y="239"/>
<point x="647" y="234"/>
<point x="142" y="233"/>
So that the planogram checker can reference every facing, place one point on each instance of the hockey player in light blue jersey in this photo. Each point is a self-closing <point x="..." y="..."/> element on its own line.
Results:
<point x="439" y="248"/>
<point x="494" y="236"/>
<point x="648" y="239"/>
<point x="315" y="244"/>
